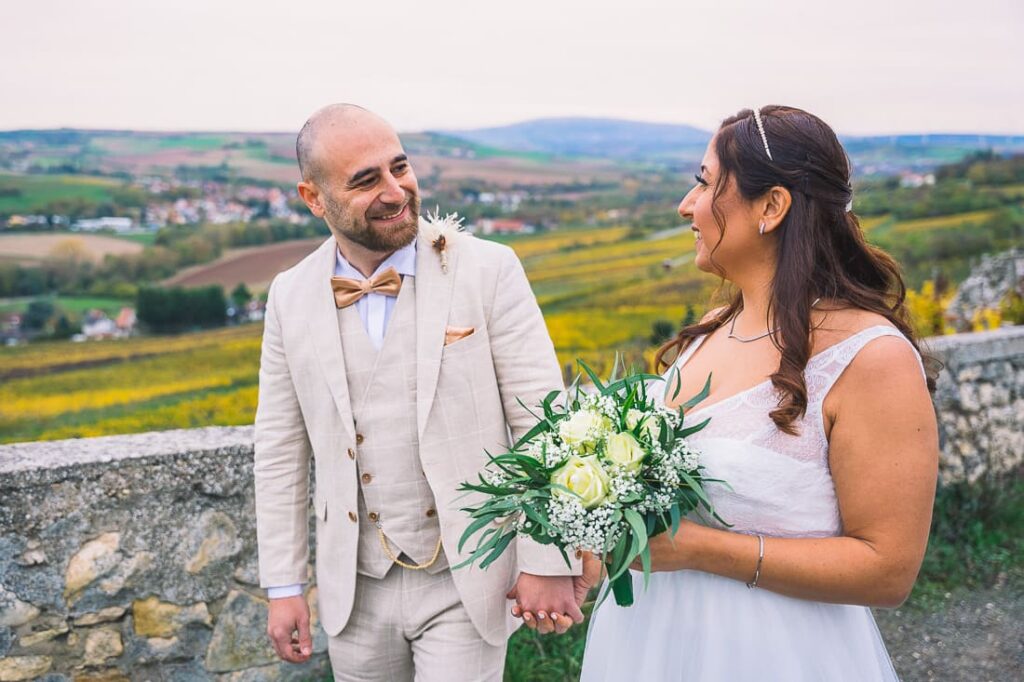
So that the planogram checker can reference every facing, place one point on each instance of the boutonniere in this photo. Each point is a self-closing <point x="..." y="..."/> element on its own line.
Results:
<point x="439" y="230"/>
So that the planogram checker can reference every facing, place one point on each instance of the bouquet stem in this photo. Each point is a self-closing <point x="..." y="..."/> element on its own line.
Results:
<point x="622" y="588"/>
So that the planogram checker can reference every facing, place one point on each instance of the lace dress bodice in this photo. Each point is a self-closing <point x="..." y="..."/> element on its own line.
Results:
<point x="781" y="483"/>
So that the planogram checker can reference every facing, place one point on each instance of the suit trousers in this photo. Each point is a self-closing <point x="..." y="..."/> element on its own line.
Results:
<point x="410" y="625"/>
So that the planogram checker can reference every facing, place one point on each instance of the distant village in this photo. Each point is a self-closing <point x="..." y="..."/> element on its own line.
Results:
<point x="218" y="204"/>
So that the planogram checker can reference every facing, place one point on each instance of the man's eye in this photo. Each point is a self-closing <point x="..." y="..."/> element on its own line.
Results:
<point x="400" y="168"/>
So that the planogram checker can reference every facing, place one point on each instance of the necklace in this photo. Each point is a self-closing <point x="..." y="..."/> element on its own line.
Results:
<point x="748" y="339"/>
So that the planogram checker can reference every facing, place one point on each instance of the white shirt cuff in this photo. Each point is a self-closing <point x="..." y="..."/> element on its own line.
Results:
<point x="285" y="591"/>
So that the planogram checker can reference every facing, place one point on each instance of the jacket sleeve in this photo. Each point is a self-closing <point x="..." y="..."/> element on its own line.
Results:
<point x="281" y="464"/>
<point x="527" y="369"/>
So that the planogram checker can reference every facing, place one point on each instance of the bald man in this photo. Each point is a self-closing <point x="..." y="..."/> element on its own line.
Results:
<point x="394" y="372"/>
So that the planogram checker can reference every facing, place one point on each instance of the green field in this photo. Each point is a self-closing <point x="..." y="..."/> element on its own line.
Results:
<point x="28" y="193"/>
<point x="67" y="304"/>
<point x="144" y="238"/>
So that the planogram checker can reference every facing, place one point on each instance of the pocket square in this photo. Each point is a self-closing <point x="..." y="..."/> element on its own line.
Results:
<point x="453" y="334"/>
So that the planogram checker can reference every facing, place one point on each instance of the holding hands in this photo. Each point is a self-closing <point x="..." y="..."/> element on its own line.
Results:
<point x="552" y="603"/>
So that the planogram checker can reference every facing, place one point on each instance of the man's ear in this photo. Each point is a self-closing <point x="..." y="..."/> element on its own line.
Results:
<point x="311" y="195"/>
<point x="776" y="204"/>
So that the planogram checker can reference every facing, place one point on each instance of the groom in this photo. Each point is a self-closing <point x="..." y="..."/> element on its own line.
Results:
<point x="392" y="360"/>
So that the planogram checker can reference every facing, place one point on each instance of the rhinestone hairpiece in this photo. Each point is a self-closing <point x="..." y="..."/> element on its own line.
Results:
<point x="760" y="129"/>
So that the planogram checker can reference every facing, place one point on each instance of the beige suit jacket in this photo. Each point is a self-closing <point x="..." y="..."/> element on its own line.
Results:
<point x="466" y="403"/>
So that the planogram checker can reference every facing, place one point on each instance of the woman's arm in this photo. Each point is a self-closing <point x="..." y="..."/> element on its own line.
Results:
<point x="884" y="459"/>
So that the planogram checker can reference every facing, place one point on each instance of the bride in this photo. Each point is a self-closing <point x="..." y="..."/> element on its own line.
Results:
<point x="821" y="423"/>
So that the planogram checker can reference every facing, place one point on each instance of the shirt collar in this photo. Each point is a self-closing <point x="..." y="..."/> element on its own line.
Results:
<point x="403" y="260"/>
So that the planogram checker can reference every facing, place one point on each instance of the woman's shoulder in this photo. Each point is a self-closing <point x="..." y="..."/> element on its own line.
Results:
<point x="836" y="324"/>
<point x="873" y="349"/>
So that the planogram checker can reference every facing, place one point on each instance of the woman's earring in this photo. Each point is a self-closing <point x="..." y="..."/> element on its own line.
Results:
<point x="760" y="228"/>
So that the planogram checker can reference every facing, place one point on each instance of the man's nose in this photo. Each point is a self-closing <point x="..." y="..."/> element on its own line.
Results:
<point x="392" y="192"/>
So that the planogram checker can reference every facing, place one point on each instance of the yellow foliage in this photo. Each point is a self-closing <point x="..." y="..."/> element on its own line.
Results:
<point x="38" y="357"/>
<point x="227" y="409"/>
<point x="928" y="310"/>
<point x="986" y="319"/>
<point x="941" y="222"/>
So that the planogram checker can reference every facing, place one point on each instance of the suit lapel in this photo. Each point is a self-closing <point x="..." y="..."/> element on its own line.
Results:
<point x="322" y="320"/>
<point x="433" y="301"/>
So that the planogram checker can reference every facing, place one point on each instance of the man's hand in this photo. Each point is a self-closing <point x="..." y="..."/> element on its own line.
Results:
<point x="593" y="571"/>
<point x="548" y="603"/>
<point x="288" y="628"/>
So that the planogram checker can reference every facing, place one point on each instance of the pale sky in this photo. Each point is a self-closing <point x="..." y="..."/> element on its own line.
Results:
<point x="865" y="66"/>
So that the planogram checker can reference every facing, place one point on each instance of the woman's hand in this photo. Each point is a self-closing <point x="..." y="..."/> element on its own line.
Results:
<point x="672" y="553"/>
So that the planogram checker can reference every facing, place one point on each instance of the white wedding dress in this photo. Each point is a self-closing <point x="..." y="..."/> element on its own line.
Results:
<point x="698" y="626"/>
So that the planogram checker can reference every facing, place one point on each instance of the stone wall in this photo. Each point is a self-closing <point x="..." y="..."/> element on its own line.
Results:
<point x="134" y="557"/>
<point x="980" y="403"/>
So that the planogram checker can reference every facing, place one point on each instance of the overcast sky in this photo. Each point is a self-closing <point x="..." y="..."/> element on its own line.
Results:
<point x="865" y="66"/>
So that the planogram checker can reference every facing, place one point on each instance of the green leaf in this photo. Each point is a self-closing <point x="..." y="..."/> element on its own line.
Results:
<point x="473" y="528"/>
<point x="645" y="563"/>
<point x="482" y="547"/>
<point x="677" y="517"/>
<point x="699" y="397"/>
<point x="532" y="413"/>
<point x="598" y="384"/>
<point x="537" y="517"/>
<point x="616" y="367"/>
<point x="696" y="487"/>
<point x="689" y="431"/>
<point x="537" y="429"/>
<point x="622" y="383"/>
<point x="669" y="383"/>
<point x="498" y="549"/>
<point x="636" y="522"/>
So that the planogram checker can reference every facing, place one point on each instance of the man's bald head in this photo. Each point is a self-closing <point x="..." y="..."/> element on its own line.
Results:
<point x="331" y="117"/>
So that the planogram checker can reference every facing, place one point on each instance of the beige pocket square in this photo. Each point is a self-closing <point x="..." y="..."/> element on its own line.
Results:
<point x="453" y="334"/>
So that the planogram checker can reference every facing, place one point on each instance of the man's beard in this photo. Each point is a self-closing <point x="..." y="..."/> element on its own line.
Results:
<point x="357" y="228"/>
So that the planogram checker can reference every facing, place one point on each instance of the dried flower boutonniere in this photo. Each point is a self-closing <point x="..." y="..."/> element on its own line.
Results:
<point x="439" y="230"/>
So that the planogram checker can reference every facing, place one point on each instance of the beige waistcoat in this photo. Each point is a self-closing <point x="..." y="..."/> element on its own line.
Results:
<point x="393" y="487"/>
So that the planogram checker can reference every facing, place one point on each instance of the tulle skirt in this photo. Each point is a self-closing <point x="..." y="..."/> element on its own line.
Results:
<point x="701" y="627"/>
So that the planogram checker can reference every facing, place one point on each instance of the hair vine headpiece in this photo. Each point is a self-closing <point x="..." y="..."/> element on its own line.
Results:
<point x="760" y="129"/>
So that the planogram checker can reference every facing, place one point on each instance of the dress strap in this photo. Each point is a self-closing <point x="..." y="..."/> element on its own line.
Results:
<point x="690" y="350"/>
<point x="826" y="367"/>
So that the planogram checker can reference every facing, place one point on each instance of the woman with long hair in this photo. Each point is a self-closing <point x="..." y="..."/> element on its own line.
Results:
<point x="821" y="422"/>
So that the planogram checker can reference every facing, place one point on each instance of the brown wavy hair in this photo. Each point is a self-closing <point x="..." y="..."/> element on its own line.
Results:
<point x="821" y="248"/>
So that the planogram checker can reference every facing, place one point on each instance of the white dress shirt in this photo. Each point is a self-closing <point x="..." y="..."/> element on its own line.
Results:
<point x="375" y="311"/>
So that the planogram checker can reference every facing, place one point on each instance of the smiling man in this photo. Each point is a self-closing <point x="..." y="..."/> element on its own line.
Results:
<point x="394" y="370"/>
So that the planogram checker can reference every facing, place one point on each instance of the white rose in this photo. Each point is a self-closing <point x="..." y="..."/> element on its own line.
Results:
<point x="651" y="423"/>
<point x="583" y="428"/>
<point x="585" y="478"/>
<point x="623" y="449"/>
<point x="633" y="418"/>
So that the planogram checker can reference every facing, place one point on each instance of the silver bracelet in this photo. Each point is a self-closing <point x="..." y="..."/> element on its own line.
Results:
<point x="760" y="557"/>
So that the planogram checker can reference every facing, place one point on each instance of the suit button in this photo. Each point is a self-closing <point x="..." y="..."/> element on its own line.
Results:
<point x="351" y="453"/>
<point x="359" y="439"/>
<point x="374" y="517"/>
<point x="352" y="517"/>
<point x="367" y="478"/>
<point x="431" y="513"/>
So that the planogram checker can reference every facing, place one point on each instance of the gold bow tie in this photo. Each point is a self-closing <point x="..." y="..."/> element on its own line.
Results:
<point x="348" y="290"/>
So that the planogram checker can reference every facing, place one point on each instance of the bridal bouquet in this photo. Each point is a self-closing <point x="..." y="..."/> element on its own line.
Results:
<point x="601" y="473"/>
